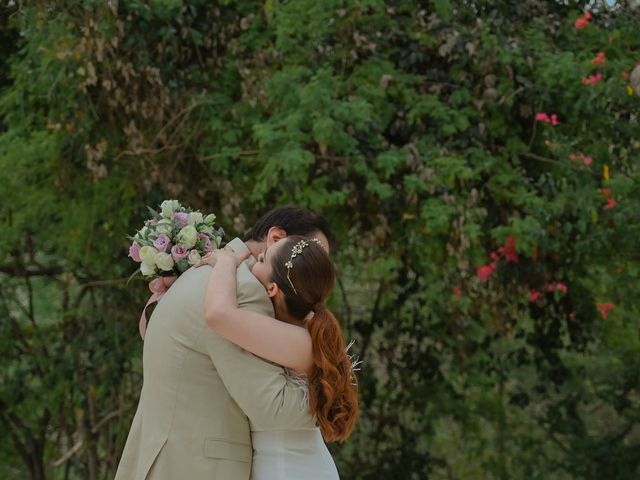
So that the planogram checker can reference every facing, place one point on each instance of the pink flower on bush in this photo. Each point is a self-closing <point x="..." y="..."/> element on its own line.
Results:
<point x="561" y="287"/>
<point x="546" y="118"/>
<point x="484" y="272"/>
<point x="605" y="309"/>
<point x="586" y="160"/>
<point x="162" y="243"/>
<point x="606" y="192"/>
<point x="134" y="252"/>
<point x="178" y="252"/>
<point x="599" y="60"/>
<point x="611" y="203"/>
<point x="592" y="79"/>
<point x="534" y="295"/>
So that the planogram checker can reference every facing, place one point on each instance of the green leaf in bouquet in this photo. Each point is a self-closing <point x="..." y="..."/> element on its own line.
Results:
<point x="153" y="213"/>
<point x="182" y="265"/>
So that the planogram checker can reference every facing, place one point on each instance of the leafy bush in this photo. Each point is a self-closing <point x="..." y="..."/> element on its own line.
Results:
<point x="478" y="161"/>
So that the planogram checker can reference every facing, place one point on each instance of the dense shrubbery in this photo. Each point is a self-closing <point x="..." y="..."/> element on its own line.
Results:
<point x="489" y="261"/>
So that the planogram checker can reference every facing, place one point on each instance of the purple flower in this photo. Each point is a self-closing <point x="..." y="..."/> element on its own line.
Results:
<point x="181" y="218"/>
<point x="162" y="243"/>
<point x="134" y="252"/>
<point x="207" y="242"/>
<point x="178" y="252"/>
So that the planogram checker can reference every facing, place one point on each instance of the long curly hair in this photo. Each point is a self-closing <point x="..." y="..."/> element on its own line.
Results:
<point x="306" y="285"/>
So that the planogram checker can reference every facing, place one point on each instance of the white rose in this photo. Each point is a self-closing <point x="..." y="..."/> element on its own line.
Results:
<point x="164" y="226"/>
<point x="168" y="207"/>
<point x="205" y="229"/>
<point x="194" y="257"/>
<point x="194" y="217"/>
<point x="142" y="234"/>
<point x="148" y="256"/>
<point x="164" y="261"/>
<point x="188" y="236"/>
<point x="147" y="269"/>
<point x="209" y="219"/>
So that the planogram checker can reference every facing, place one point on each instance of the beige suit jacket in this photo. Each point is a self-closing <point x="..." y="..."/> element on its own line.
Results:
<point x="200" y="390"/>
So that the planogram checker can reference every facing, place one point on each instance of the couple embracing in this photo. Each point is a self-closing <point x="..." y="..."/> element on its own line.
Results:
<point x="246" y="374"/>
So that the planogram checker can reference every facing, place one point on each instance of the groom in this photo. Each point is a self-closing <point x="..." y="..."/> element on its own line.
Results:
<point x="199" y="388"/>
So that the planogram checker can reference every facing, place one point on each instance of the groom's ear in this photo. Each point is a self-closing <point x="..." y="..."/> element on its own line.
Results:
<point x="275" y="234"/>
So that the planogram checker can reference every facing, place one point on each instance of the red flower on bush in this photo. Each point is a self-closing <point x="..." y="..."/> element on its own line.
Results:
<point x="484" y="272"/>
<point x="457" y="292"/>
<point x="509" y="251"/>
<point x="611" y="203"/>
<point x="534" y="295"/>
<point x="561" y="287"/>
<point x="583" y="21"/>
<point x="605" y="309"/>
<point x="592" y="79"/>
<point x="599" y="59"/>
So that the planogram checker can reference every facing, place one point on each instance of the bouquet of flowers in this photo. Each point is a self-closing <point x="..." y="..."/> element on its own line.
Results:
<point x="173" y="239"/>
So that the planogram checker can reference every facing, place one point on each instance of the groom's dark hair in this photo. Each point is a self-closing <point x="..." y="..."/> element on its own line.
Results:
<point x="293" y="220"/>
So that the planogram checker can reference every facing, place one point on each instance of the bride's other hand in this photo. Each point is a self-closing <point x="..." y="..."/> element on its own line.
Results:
<point x="212" y="257"/>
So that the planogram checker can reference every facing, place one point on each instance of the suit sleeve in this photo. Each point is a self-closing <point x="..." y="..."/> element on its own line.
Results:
<point x="262" y="390"/>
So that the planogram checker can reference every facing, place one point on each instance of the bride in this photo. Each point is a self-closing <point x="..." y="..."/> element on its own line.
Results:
<point x="298" y="276"/>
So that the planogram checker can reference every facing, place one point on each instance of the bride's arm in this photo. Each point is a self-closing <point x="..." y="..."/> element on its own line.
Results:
<point x="279" y="342"/>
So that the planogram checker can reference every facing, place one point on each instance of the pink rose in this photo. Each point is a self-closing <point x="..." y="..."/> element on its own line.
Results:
<point x="162" y="243"/>
<point x="178" y="252"/>
<point x="134" y="252"/>
<point x="181" y="218"/>
<point x="207" y="242"/>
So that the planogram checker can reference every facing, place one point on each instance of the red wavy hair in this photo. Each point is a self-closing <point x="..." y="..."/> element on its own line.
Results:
<point x="333" y="394"/>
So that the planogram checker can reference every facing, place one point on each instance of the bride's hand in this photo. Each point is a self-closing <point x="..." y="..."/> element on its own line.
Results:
<point x="212" y="257"/>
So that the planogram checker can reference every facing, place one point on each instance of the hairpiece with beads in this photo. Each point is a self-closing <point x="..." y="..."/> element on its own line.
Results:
<point x="295" y="251"/>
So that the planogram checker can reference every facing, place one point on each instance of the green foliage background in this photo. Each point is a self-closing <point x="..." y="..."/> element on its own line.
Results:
<point x="410" y="125"/>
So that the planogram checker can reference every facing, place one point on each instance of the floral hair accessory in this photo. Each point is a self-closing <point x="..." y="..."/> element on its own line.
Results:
<point x="295" y="251"/>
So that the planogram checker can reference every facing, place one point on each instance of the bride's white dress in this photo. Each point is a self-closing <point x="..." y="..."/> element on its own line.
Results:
<point x="297" y="454"/>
